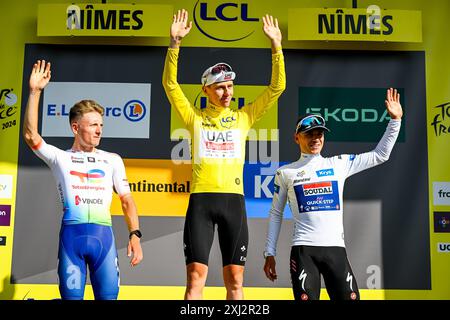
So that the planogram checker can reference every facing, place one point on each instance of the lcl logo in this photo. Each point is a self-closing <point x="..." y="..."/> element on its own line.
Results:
<point x="225" y="12"/>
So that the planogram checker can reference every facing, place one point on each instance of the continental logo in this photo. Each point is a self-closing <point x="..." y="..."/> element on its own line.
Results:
<point x="89" y="18"/>
<point x="441" y="119"/>
<point x="207" y="15"/>
<point x="174" y="187"/>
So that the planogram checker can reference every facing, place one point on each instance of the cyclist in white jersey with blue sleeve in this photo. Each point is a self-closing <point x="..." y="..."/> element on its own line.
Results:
<point x="85" y="178"/>
<point x="313" y="186"/>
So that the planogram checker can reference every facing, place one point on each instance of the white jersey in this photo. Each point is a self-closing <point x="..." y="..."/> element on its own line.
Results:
<point x="313" y="186"/>
<point x="85" y="182"/>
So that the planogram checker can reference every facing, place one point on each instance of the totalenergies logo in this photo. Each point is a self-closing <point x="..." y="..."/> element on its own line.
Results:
<point x="206" y="15"/>
<point x="93" y="176"/>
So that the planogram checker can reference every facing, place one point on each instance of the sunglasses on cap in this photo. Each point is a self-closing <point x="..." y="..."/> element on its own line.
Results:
<point x="217" y="73"/>
<point x="220" y="67"/>
<point x="311" y="122"/>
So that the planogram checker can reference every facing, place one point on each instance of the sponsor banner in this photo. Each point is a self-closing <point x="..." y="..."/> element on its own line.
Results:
<point x="265" y="129"/>
<point x="226" y="21"/>
<point x="443" y="247"/>
<point x="220" y="144"/>
<point x="441" y="120"/>
<point x="127" y="107"/>
<point x="318" y="196"/>
<point x="8" y="109"/>
<point x="441" y="193"/>
<point x="369" y="24"/>
<point x="5" y="215"/>
<point x="352" y="114"/>
<point x="104" y="20"/>
<point x="441" y="222"/>
<point x="159" y="187"/>
<point x="6" y="185"/>
<point x="259" y="189"/>
<point x="162" y="188"/>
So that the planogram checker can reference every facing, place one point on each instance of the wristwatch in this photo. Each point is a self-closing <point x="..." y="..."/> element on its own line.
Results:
<point x="136" y="232"/>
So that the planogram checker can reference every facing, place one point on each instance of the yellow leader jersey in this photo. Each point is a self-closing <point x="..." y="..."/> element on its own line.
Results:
<point x="218" y="134"/>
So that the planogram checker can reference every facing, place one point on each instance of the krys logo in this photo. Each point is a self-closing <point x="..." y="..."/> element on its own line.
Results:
<point x="133" y="110"/>
<point x="93" y="176"/>
<point x="207" y="16"/>
<point x="441" y="120"/>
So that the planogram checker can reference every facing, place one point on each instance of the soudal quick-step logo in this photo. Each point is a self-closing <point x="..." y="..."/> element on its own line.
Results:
<point x="224" y="21"/>
<point x="441" y="120"/>
<point x="352" y="114"/>
<point x="318" y="188"/>
<point x="442" y="222"/>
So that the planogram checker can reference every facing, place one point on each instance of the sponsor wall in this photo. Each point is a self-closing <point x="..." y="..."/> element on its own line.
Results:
<point x="344" y="81"/>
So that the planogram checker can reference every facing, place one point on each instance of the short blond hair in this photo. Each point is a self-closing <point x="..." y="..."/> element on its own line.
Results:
<point x="82" y="107"/>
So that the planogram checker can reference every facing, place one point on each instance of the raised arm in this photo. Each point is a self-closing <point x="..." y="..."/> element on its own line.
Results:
<point x="393" y="105"/>
<point x="179" y="29"/>
<point x="272" y="31"/>
<point x="39" y="78"/>
<point x="382" y="152"/>
<point x="269" y="96"/>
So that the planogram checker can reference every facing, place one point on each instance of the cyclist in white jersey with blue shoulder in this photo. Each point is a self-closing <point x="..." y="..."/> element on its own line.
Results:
<point x="85" y="178"/>
<point x="313" y="186"/>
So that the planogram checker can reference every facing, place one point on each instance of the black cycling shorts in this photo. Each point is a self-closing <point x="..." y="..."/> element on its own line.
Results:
<point x="205" y="211"/>
<point x="309" y="262"/>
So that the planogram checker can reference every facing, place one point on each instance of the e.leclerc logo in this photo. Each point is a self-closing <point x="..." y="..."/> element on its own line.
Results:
<point x="133" y="110"/>
<point x="205" y="12"/>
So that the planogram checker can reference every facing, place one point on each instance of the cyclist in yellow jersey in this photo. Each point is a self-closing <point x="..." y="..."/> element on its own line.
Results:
<point x="218" y="136"/>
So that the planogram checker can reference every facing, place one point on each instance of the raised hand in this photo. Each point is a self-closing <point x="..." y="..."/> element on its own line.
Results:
<point x="180" y="26"/>
<point x="393" y="105"/>
<point x="40" y="75"/>
<point x="271" y="29"/>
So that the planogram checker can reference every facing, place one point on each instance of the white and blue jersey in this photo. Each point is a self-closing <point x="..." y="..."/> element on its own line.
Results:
<point x="313" y="186"/>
